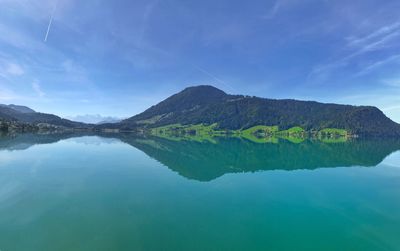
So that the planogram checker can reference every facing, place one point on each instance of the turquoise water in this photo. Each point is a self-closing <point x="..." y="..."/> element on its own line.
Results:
<point x="118" y="192"/>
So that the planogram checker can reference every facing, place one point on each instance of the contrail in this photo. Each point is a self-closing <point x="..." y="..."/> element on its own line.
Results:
<point x="214" y="77"/>
<point x="51" y="21"/>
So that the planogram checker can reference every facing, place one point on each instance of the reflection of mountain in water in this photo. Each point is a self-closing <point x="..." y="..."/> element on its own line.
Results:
<point x="206" y="161"/>
<point x="24" y="141"/>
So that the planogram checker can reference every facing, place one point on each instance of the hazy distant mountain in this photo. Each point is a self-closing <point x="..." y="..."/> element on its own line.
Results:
<point x="94" y="119"/>
<point x="109" y="120"/>
<point x="208" y="105"/>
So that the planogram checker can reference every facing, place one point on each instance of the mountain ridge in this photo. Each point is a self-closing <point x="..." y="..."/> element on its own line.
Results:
<point x="22" y="118"/>
<point x="19" y="108"/>
<point x="208" y="105"/>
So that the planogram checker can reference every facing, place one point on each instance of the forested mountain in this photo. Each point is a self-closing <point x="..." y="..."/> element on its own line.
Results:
<point x="209" y="105"/>
<point x="24" y="118"/>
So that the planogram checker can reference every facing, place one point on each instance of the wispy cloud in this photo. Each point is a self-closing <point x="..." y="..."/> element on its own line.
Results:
<point x="14" y="69"/>
<point x="392" y="82"/>
<point x="379" y="33"/>
<point x="75" y="72"/>
<point x="8" y="69"/>
<point x="18" y="39"/>
<point x="378" y="64"/>
<point x="274" y="10"/>
<point x="148" y="11"/>
<point x="377" y="40"/>
<point x="378" y="43"/>
<point x="37" y="88"/>
<point x="386" y="99"/>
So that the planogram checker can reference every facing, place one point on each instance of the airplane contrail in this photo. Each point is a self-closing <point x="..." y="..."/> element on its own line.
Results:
<point x="218" y="80"/>
<point x="50" y="22"/>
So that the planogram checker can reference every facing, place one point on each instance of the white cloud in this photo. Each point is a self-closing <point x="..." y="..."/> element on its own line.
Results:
<point x="37" y="88"/>
<point x="8" y="69"/>
<point x="14" y="69"/>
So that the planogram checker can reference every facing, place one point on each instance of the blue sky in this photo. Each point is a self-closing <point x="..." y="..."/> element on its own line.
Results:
<point x="116" y="58"/>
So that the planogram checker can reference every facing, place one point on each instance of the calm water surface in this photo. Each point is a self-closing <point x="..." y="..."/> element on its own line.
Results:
<point x="118" y="192"/>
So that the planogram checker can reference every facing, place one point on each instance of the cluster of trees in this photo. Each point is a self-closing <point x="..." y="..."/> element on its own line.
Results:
<point x="14" y="126"/>
<point x="3" y="126"/>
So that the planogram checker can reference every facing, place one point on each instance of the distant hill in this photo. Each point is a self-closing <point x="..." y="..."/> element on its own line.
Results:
<point x="109" y="120"/>
<point x="19" y="108"/>
<point x="23" y="117"/>
<point x="209" y="105"/>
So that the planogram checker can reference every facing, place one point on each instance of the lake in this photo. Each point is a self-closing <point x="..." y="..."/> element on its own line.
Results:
<point x="123" y="192"/>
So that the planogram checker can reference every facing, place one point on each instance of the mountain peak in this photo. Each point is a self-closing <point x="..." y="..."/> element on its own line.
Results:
<point x="199" y="95"/>
<point x="209" y="89"/>
<point x="19" y="108"/>
<point x="194" y="96"/>
<point x="188" y="99"/>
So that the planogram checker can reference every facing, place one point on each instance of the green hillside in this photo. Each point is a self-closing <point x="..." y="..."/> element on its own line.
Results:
<point x="208" y="105"/>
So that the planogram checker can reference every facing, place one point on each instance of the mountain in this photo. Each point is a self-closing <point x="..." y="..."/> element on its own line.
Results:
<point x="109" y="120"/>
<point x="19" y="108"/>
<point x="209" y="105"/>
<point x="94" y="119"/>
<point x="24" y="118"/>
